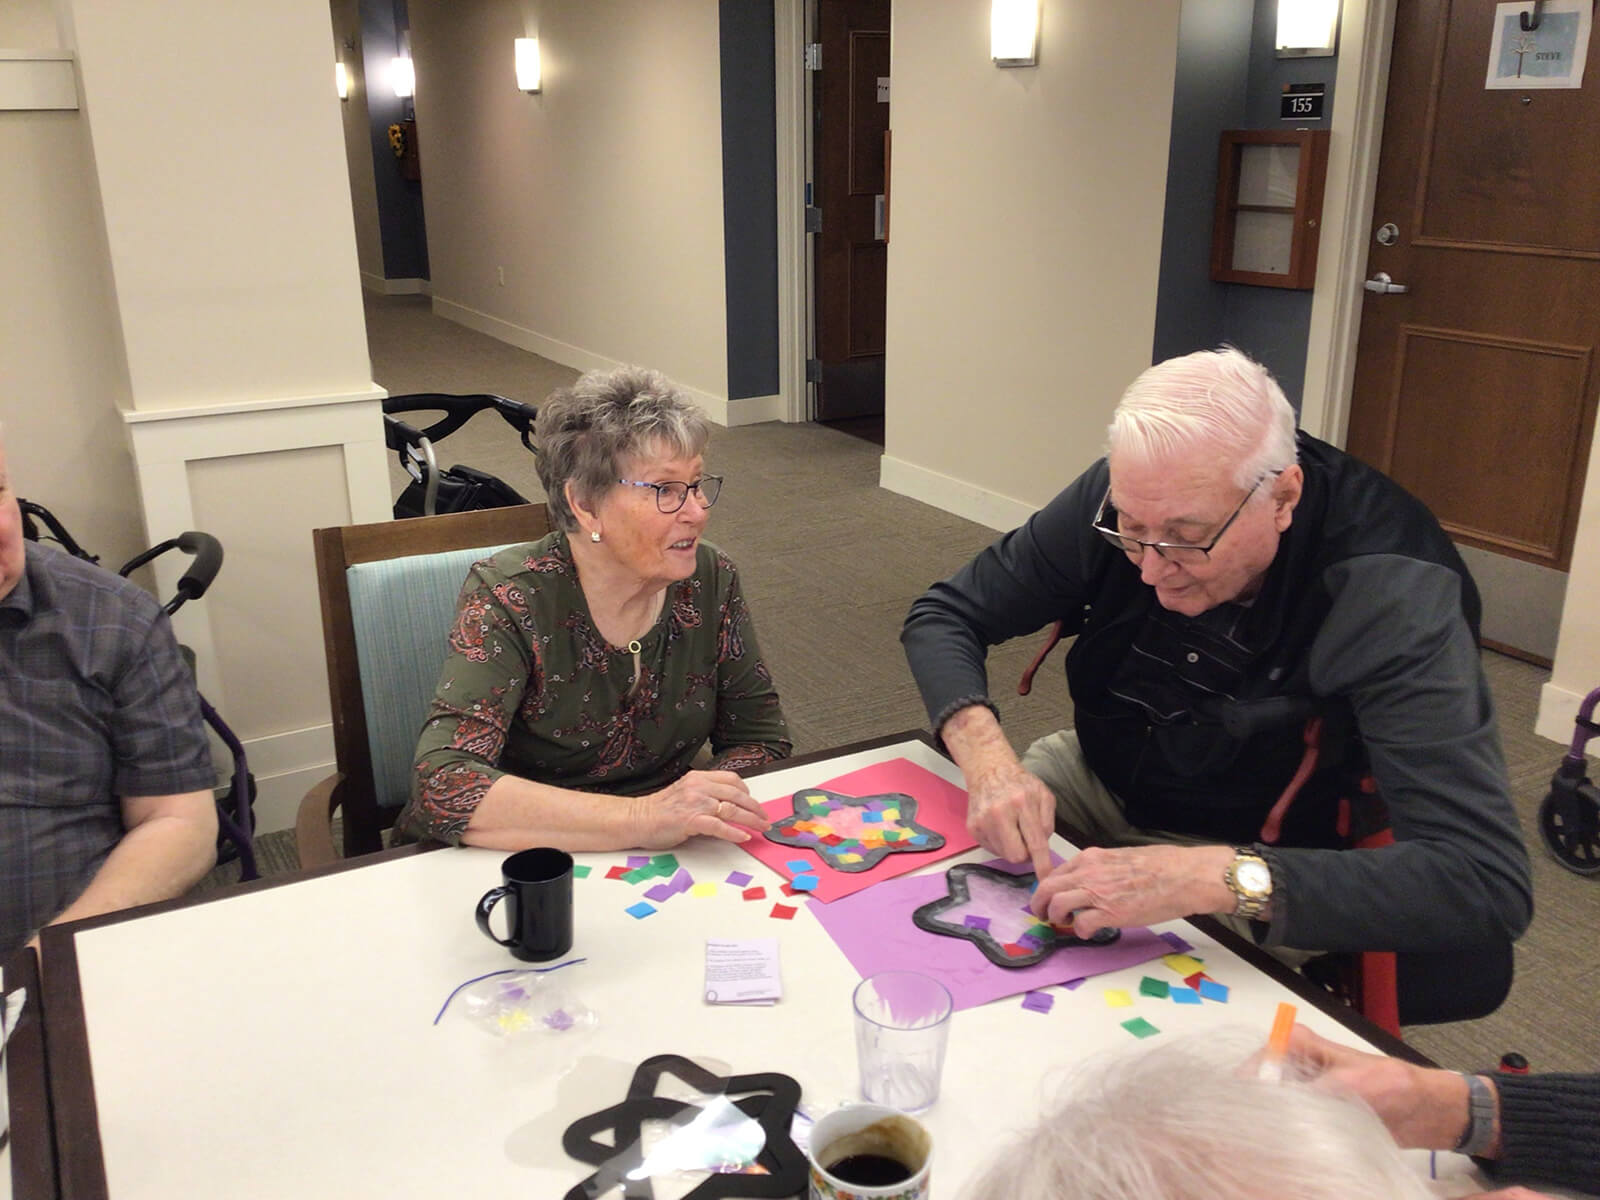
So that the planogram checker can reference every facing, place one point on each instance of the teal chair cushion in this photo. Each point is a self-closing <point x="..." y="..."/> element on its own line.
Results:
<point x="402" y="609"/>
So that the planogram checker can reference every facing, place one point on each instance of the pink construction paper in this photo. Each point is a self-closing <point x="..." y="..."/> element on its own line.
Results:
<point x="941" y="806"/>
<point x="875" y="931"/>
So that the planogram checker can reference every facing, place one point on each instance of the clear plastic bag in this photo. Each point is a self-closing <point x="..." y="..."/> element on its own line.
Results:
<point x="521" y="1002"/>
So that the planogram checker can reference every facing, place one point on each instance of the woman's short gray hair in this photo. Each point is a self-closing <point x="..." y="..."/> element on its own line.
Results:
<point x="1221" y="403"/>
<point x="1180" y="1122"/>
<point x="586" y="430"/>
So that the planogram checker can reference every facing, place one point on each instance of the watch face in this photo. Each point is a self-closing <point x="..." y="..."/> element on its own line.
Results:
<point x="1253" y="878"/>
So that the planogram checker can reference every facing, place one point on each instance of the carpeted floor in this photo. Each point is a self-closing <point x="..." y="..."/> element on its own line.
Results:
<point x="830" y="563"/>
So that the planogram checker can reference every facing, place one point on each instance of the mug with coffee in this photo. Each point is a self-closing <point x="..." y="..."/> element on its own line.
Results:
<point x="538" y="895"/>
<point x="870" y="1152"/>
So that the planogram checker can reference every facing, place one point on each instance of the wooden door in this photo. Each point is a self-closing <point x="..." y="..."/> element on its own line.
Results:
<point x="851" y="252"/>
<point x="1475" y="387"/>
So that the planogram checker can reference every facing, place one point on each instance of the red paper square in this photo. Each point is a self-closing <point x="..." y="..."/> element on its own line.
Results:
<point x="617" y="872"/>
<point x="789" y="891"/>
<point x="755" y="893"/>
<point x="1015" y="950"/>
<point x="783" y="912"/>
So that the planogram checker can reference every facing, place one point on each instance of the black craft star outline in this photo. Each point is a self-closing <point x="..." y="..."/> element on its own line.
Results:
<point x="769" y="1099"/>
<point x="927" y="917"/>
<point x="906" y="804"/>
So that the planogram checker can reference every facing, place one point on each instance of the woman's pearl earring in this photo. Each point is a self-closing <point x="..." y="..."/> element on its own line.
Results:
<point x="594" y="535"/>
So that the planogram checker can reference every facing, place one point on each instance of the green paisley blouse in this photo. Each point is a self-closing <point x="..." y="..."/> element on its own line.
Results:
<point x="530" y="688"/>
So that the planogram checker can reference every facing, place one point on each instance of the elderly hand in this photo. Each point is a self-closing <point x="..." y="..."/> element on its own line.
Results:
<point x="1423" y="1109"/>
<point x="714" y="803"/>
<point x="1135" y="885"/>
<point x="1012" y="814"/>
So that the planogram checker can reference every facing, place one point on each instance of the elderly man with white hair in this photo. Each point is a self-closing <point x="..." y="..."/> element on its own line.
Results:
<point x="1216" y="563"/>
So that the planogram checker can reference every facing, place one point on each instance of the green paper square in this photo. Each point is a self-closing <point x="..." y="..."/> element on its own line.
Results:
<point x="638" y="875"/>
<point x="665" y="864"/>
<point x="1140" y="1028"/>
<point x="581" y="872"/>
<point x="1153" y="987"/>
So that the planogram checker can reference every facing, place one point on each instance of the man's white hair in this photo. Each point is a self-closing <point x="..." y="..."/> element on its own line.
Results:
<point x="1219" y="403"/>
<point x="1181" y="1122"/>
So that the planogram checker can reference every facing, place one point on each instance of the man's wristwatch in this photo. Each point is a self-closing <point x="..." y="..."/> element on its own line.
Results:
<point x="1481" y="1111"/>
<point x="1249" y="878"/>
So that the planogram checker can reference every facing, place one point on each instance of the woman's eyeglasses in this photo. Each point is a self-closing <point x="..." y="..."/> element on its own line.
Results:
<point x="673" y="494"/>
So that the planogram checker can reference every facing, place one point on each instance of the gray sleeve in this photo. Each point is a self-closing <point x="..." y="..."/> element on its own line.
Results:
<point x="1030" y="577"/>
<point x="1396" y="645"/>
<point x="1549" y="1131"/>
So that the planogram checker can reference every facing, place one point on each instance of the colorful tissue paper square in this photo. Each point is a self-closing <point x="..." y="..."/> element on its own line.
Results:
<point x="1073" y="985"/>
<point x="805" y="883"/>
<point x="783" y="912"/>
<point x="640" y="910"/>
<point x="638" y="875"/>
<point x="1040" y="1002"/>
<point x="973" y="921"/>
<point x="682" y="881"/>
<point x="1118" y="998"/>
<point x="1210" y="989"/>
<point x="703" y="890"/>
<point x="660" y="892"/>
<point x="1185" y="995"/>
<point x="738" y="879"/>
<point x="1140" y="1028"/>
<point x="1177" y="943"/>
<point x="798" y="866"/>
<point x="637" y="860"/>
<point x="1153" y="987"/>
<point x="755" y="893"/>
<point x="616" y="872"/>
<point x="581" y="872"/>
<point x="1182" y="964"/>
<point x="665" y="863"/>
<point x="1194" y="980"/>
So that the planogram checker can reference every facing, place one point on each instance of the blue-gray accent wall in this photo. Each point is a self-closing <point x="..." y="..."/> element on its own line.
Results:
<point x="401" y="226"/>
<point x="1228" y="77"/>
<point x="750" y="195"/>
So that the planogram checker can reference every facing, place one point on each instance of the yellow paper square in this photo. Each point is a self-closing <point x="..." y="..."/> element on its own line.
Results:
<point x="849" y="858"/>
<point x="1118" y="998"/>
<point x="891" y="814"/>
<point x="1183" y="964"/>
<point x="703" y="889"/>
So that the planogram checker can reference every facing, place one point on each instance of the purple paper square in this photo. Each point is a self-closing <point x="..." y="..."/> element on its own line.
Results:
<point x="661" y="891"/>
<point x="1176" y="942"/>
<point x="973" y="921"/>
<point x="739" y="879"/>
<point x="682" y="881"/>
<point x="638" y="860"/>
<point x="1073" y="985"/>
<point x="1031" y="941"/>
<point x="1040" y="1002"/>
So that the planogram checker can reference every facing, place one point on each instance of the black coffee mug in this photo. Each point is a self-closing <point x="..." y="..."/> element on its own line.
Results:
<point x="538" y="896"/>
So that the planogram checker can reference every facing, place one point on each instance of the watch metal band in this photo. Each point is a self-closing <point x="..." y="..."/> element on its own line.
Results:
<point x="1481" y="1106"/>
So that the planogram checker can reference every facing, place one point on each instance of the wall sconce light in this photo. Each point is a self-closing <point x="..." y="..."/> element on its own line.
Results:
<point x="1014" y="33"/>
<point x="1308" y="28"/>
<point x="404" y="77"/>
<point x="528" y="64"/>
<point x="341" y="81"/>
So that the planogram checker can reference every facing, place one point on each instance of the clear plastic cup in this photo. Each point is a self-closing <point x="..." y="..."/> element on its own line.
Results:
<point x="902" y="1022"/>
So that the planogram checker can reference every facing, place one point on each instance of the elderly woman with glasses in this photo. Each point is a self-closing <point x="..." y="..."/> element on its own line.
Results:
<point x="586" y="670"/>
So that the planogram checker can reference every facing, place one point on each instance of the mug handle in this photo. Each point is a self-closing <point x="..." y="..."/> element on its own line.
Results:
<point x="485" y="906"/>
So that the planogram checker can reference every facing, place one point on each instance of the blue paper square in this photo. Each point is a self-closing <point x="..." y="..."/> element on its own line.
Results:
<point x="872" y="817"/>
<point x="1210" y="989"/>
<point x="640" y="910"/>
<point x="1185" y="995"/>
<point x="804" y="883"/>
<point x="797" y="866"/>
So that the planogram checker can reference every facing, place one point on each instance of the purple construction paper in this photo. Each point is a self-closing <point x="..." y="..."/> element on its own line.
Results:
<point x="682" y="881"/>
<point x="876" y="933"/>
<point x="739" y="879"/>
<point x="1176" y="942"/>
<point x="638" y="860"/>
<point x="661" y="891"/>
<point x="1041" y="1002"/>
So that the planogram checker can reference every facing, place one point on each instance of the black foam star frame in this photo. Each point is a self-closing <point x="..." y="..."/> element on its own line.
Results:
<point x="769" y="1099"/>
<point x="929" y="917"/>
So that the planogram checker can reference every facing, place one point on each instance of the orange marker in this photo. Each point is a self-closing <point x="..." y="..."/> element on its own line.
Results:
<point x="1277" y="1043"/>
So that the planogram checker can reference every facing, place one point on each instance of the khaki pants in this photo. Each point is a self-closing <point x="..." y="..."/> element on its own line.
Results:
<point x="1083" y="802"/>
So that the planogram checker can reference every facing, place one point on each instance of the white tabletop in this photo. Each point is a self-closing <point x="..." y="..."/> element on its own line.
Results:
<point x="278" y="1042"/>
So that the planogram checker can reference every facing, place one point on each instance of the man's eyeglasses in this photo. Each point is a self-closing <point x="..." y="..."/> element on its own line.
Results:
<point x="1105" y="524"/>
<point x="673" y="494"/>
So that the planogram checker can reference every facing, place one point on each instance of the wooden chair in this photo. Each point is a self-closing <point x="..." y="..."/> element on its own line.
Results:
<point x="389" y="592"/>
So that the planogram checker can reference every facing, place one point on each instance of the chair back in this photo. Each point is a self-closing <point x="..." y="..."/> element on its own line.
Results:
<point x="388" y="593"/>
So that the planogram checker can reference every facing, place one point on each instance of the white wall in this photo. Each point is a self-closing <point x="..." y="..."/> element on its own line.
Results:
<point x="600" y="198"/>
<point x="358" y="142"/>
<point x="1025" y="246"/>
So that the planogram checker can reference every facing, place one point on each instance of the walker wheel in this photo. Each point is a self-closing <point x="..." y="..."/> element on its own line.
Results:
<point x="1570" y="823"/>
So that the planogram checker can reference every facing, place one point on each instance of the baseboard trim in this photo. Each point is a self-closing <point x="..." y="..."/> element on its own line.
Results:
<point x="951" y="495"/>
<point x="753" y="410"/>
<point x="1558" y="709"/>
<point x="718" y="408"/>
<point x="286" y="766"/>
<point x="396" y="287"/>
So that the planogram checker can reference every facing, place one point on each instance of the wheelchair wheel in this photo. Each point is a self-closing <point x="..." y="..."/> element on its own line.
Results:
<point x="1570" y="824"/>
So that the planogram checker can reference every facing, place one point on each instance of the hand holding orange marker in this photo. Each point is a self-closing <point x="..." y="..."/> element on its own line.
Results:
<point x="1271" y="1068"/>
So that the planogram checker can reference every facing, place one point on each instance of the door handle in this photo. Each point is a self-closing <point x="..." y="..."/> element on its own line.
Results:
<point x="1383" y="285"/>
<point x="877" y="217"/>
